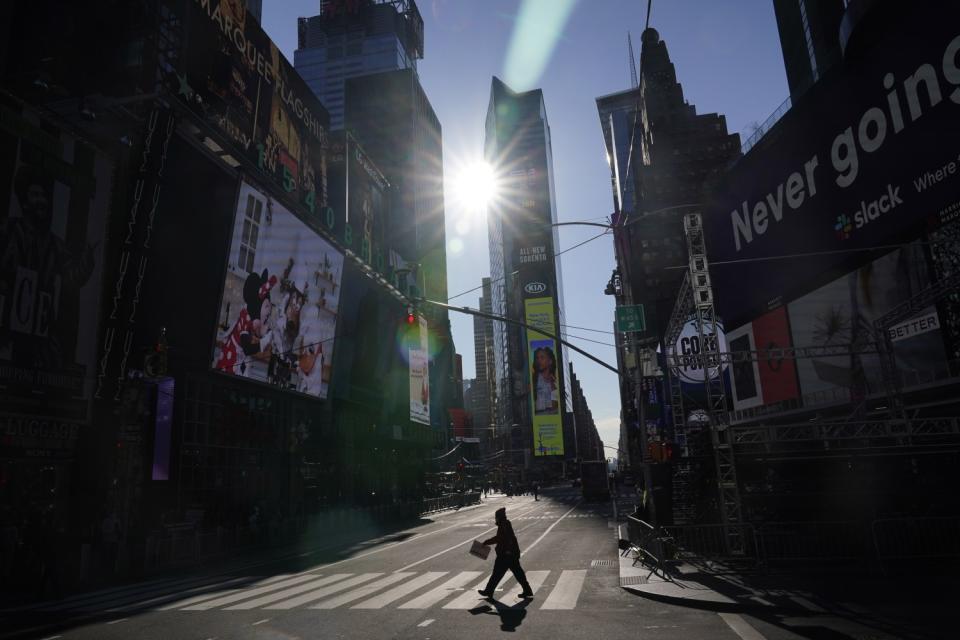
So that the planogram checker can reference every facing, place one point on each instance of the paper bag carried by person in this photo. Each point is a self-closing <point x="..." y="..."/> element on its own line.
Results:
<point x="479" y="550"/>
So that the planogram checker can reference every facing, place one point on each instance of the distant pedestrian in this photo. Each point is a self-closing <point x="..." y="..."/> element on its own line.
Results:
<point x="508" y="557"/>
<point x="536" y="491"/>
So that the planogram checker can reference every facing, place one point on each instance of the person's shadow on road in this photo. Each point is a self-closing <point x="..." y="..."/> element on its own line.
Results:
<point x="510" y="617"/>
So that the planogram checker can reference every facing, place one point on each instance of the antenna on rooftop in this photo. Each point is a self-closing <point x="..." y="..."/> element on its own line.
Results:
<point x="633" y="63"/>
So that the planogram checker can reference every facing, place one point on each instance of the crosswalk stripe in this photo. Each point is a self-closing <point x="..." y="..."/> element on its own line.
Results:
<point x="177" y="603"/>
<point x="440" y="592"/>
<point x="313" y="596"/>
<point x="102" y="593"/>
<point x="276" y="596"/>
<point x="248" y="593"/>
<point x="567" y="590"/>
<point x="382" y="600"/>
<point x="536" y="580"/>
<point x="362" y="592"/>
<point x="98" y="603"/>
<point x="207" y="589"/>
<point x="471" y="598"/>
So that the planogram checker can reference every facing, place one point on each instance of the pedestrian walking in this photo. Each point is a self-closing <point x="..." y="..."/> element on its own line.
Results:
<point x="508" y="557"/>
<point x="536" y="492"/>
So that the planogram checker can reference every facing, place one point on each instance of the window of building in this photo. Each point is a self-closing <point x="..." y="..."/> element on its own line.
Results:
<point x="250" y="234"/>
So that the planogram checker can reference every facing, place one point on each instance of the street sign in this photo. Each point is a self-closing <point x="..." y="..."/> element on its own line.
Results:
<point x="631" y="318"/>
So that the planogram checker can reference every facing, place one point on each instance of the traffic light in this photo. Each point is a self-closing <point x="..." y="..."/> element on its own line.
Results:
<point x="411" y="318"/>
<point x="460" y="467"/>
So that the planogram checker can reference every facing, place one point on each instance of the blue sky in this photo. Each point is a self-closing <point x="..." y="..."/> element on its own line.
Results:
<point x="728" y="59"/>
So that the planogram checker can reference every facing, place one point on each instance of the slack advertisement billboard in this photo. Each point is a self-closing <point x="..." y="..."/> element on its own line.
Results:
<point x="859" y="163"/>
<point x="278" y="313"/>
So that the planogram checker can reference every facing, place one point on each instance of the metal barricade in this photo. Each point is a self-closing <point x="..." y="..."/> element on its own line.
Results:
<point x="905" y="541"/>
<point x="813" y="541"/>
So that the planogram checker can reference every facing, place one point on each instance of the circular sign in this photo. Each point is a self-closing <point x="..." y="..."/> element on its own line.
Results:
<point x="535" y="287"/>
<point x="685" y="362"/>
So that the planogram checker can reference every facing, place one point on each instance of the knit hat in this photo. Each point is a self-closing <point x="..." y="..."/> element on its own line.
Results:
<point x="501" y="513"/>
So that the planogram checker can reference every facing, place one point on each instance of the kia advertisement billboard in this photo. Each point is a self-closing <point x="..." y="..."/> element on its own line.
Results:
<point x="278" y="314"/>
<point x="859" y="163"/>
<point x="55" y="193"/>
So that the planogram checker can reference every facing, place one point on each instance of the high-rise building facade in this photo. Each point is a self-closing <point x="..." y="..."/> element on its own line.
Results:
<point x="354" y="38"/>
<point x="662" y="156"/>
<point x="810" y="39"/>
<point x="532" y="388"/>
<point x="484" y="390"/>
<point x="255" y="9"/>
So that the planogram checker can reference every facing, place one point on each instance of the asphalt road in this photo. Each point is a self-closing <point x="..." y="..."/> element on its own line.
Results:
<point x="415" y="583"/>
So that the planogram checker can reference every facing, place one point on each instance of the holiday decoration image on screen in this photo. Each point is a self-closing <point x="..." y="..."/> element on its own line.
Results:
<point x="278" y="314"/>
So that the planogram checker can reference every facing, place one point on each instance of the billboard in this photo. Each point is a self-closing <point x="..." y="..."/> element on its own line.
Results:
<point x="358" y="200"/>
<point x="278" y="313"/>
<point x="55" y="194"/>
<point x="832" y="182"/>
<point x="688" y="346"/>
<point x="545" y="382"/>
<point x="230" y="74"/>
<point x="420" y="376"/>
<point x="766" y="380"/>
<point x="843" y="312"/>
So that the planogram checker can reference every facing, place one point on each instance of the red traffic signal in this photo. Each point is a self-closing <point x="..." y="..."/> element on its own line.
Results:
<point x="411" y="319"/>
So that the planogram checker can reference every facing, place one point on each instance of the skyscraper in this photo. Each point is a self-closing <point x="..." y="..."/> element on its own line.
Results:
<point x="663" y="155"/>
<point x="532" y="387"/>
<point x="810" y="39"/>
<point x="484" y="390"/>
<point x="352" y="38"/>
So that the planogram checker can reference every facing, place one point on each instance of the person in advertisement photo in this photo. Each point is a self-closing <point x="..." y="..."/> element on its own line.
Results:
<point x="544" y="378"/>
<point x="285" y="281"/>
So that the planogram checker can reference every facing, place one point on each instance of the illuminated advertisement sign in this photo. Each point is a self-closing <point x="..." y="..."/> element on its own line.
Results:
<point x="358" y="202"/>
<point x="862" y="161"/>
<point x="688" y="347"/>
<point x="420" y="377"/>
<point x="54" y="202"/>
<point x="545" y="384"/>
<point x="843" y="312"/>
<point x="280" y="299"/>
<point x="233" y="76"/>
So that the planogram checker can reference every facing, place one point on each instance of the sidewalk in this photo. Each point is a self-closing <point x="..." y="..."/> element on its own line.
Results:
<point x="889" y="607"/>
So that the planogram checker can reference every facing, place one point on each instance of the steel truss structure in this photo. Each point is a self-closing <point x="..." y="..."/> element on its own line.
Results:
<point x="897" y="434"/>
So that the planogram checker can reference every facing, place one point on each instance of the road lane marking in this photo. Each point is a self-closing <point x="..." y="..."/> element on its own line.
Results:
<point x="808" y="605"/>
<point x="288" y="593"/>
<point x="117" y="620"/>
<point x="425" y="623"/>
<point x="470" y="598"/>
<point x="217" y="594"/>
<point x="362" y="592"/>
<point x="396" y="544"/>
<point x="567" y="590"/>
<point x="323" y="592"/>
<point x="440" y="592"/>
<point x="168" y="597"/>
<point x="382" y="600"/>
<point x="260" y="622"/>
<point x="459" y="545"/>
<point x="536" y="580"/>
<point x="549" y="529"/>
<point x="248" y="593"/>
<point x="741" y="627"/>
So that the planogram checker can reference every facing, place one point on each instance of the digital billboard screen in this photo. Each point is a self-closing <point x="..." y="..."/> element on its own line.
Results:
<point x="419" y="363"/>
<point x="545" y="383"/>
<point x="233" y="76"/>
<point x="55" y="194"/>
<point x="278" y="313"/>
<point x="860" y="162"/>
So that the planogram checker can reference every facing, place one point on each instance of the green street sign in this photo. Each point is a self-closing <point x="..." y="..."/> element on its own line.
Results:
<point x="631" y="319"/>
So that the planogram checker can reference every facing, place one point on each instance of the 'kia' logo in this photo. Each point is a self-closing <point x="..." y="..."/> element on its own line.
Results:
<point x="535" y="287"/>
